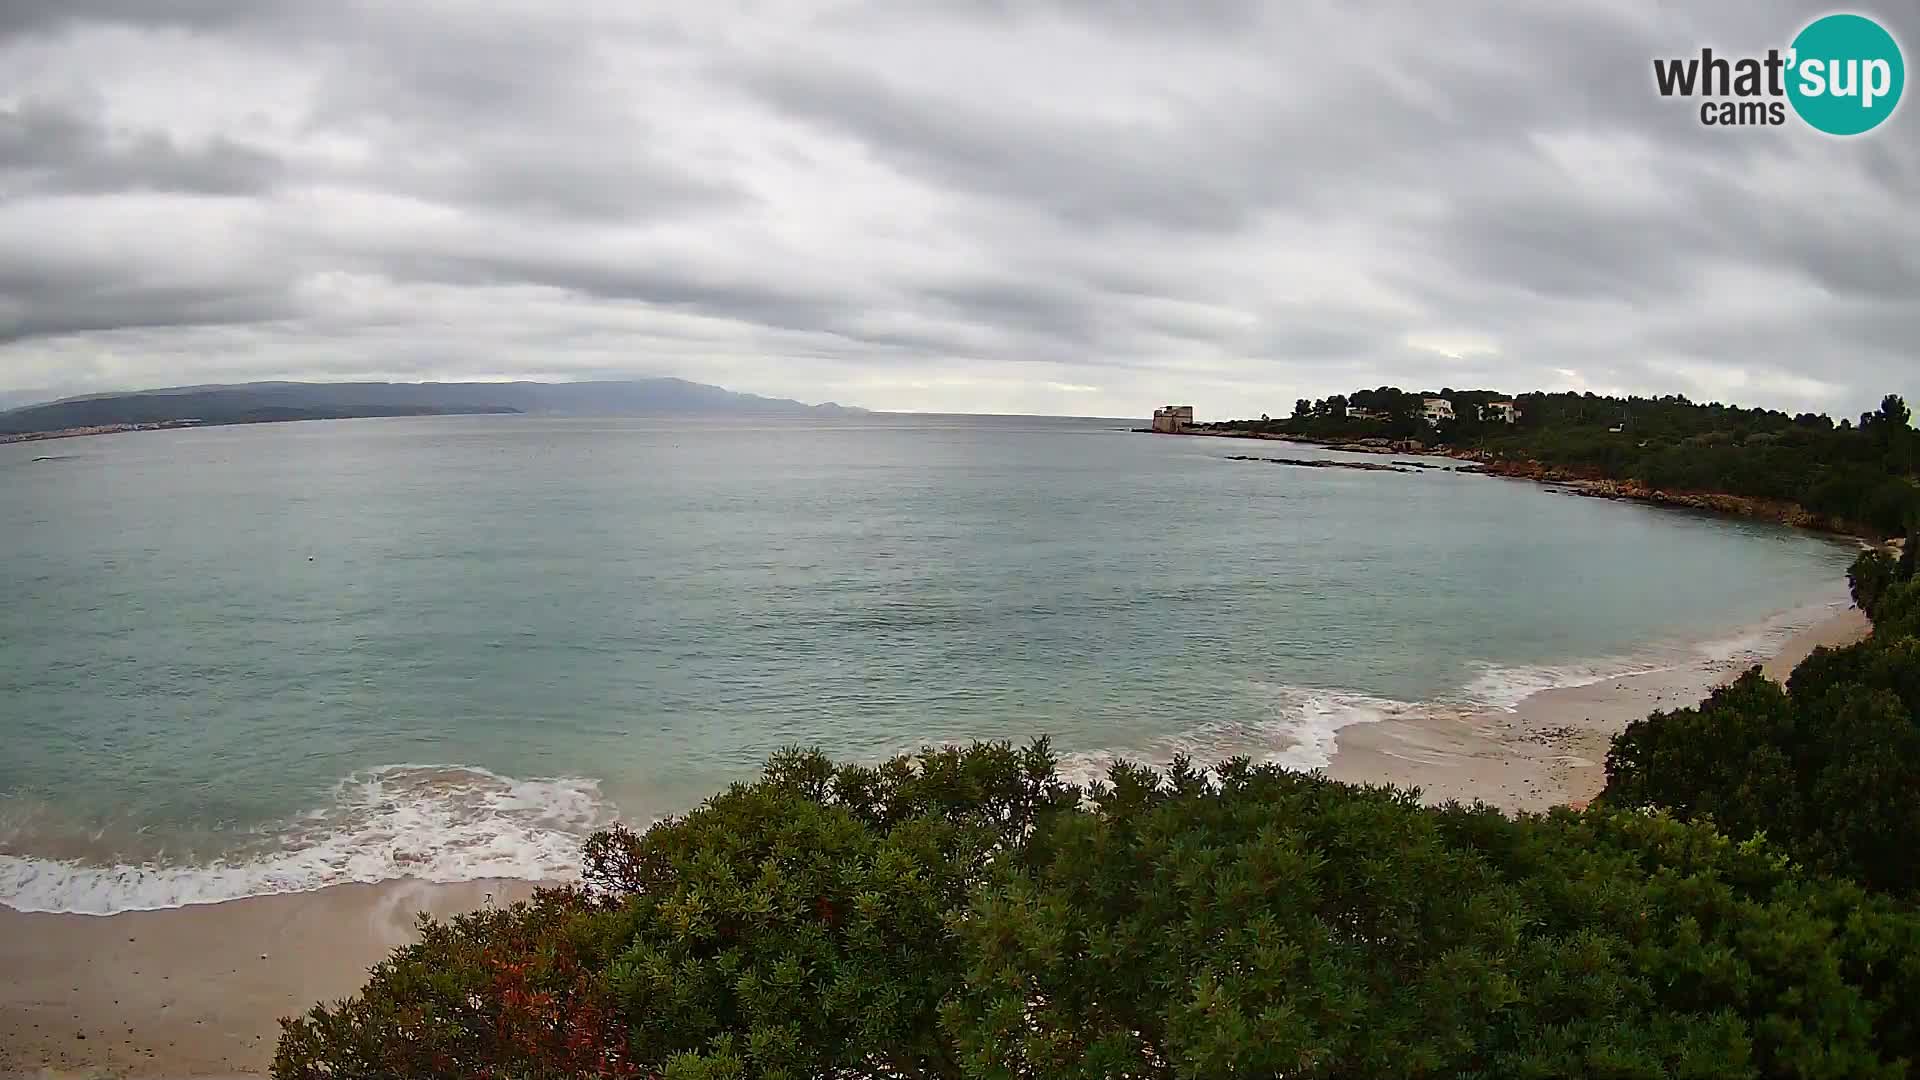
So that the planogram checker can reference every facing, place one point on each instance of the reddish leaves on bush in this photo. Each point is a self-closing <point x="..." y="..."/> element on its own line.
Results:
<point x="556" y="1020"/>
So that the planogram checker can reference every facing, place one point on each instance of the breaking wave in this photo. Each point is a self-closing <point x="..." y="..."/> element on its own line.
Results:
<point x="1501" y="687"/>
<point x="452" y="823"/>
<point x="1497" y="687"/>
<point x="1299" y="733"/>
<point x="438" y="823"/>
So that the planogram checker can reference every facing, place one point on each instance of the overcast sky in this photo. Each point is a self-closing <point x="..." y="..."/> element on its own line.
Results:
<point x="1053" y="206"/>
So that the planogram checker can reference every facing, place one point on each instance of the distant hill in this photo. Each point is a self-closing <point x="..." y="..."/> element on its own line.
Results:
<point x="263" y="402"/>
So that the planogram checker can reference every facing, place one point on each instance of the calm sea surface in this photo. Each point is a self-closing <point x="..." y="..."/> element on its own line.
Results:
<point x="254" y="659"/>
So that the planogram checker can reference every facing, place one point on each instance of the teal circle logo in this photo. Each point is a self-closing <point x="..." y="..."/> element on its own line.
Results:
<point x="1846" y="74"/>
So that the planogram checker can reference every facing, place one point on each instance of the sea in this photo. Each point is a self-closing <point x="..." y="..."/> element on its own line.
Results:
<point x="248" y="660"/>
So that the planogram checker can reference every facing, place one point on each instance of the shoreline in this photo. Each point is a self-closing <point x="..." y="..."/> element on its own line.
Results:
<point x="198" y="990"/>
<point x="1480" y="462"/>
<point x="1549" y="749"/>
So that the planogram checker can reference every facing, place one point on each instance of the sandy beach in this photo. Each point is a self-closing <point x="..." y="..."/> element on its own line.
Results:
<point x="197" y="991"/>
<point x="1551" y="748"/>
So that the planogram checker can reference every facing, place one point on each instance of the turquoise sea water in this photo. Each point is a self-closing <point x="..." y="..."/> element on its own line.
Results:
<point x="253" y="659"/>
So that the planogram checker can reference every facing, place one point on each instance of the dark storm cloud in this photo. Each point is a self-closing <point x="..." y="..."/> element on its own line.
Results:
<point x="1065" y="205"/>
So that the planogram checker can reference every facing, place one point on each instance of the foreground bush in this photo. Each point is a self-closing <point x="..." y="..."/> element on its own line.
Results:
<point x="1285" y="925"/>
<point x="1828" y="769"/>
<point x="965" y="914"/>
<point x="791" y="927"/>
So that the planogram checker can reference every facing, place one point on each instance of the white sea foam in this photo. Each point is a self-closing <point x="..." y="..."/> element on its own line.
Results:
<point x="448" y="823"/>
<point x="440" y="823"/>
<point x="1759" y="643"/>
<point x="1503" y="687"/>
<point x="1498" y="687"/>
<point x="1299" y="733"/>
<point x="1304" y="725"/>
<point x="1312" y="719"/>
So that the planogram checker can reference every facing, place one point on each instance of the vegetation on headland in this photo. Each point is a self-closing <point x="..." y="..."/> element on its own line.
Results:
<point x="1738" y="904"/>
<point x="1853" y="477"/>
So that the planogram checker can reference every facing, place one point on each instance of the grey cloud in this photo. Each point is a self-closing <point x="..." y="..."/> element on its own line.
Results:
<point x="23" y="16"/>
<point x="1846" y="266"/>
<point x="1082" y="173"/>
<point x="1562" y="248"/>
<point x="1413" y="103"/>
<point x="549" y="178"/>
<point x="1140" y="196"/>
<point x="47" y="149"/>
<point x="516" y="114"/>
<point x="593" y="190"/>
<point x="1205" y="16"/>
<point x="1051" y="309"/>
<point x="40" y="306"/>
<point x="1310" y="341"/>
<point x="766" y="303"/>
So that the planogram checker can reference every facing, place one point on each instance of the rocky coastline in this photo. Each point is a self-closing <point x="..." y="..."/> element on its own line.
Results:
<point x="1322" y="463"/>
<point x="1574" y="482"/>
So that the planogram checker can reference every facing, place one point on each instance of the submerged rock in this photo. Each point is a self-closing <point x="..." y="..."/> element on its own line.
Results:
<point x="1319" y="463"/>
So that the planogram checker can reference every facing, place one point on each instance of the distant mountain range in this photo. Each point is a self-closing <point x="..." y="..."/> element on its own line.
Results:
<point x="247" y="403"/>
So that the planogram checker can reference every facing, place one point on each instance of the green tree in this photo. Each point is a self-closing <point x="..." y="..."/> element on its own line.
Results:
<point x="1871" y="575"/>
<point x="1826" y="767"/>
<point x="1893" y="415"/>
<point x="962" y="913"/>
<point x="795" y="927"/>
<point x="1277" y="924"/>
<point x="1865" y="480"/>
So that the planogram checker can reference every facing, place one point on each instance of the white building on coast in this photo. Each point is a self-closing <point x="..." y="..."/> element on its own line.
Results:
<point x="1504" y="411"/>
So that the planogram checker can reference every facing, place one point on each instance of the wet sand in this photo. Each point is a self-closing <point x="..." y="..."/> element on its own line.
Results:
<point x="1845" y="628"/>
<point x="1551" y="748"/>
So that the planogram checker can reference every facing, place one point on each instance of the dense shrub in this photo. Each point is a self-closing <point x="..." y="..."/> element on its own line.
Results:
<point x="1854" y="478"/>
<point x="1871" y="575"/>
<point x="1282" y="924"/>
<point x="792" y="927"/>
<point x="1827" y="768"/>
<point x="963" y="913"/>
<point x="503" y="992"/>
